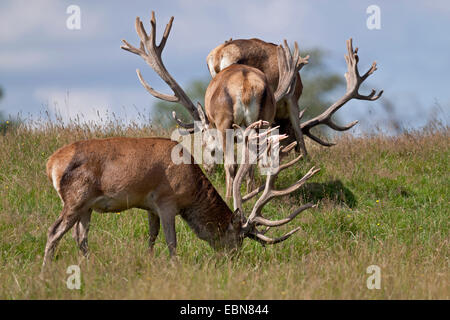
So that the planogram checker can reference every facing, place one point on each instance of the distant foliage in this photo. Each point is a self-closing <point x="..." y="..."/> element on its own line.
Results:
<point x="318" y="84"/>
<point x="6" y="124"/>
<point x="1" y="96"/>
<point x="3" y="123"/>
<point x="162" y="110"/>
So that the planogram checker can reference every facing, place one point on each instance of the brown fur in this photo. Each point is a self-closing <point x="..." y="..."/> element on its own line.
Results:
<point x="256" y="53"/>
<point x="241" y="81"/>
<point x="262" y="56"/>
<point x="232" y="97"/>
<point x="115" y="174"/>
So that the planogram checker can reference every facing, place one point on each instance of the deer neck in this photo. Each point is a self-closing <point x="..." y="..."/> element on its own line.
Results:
<point x="208" y="215"/>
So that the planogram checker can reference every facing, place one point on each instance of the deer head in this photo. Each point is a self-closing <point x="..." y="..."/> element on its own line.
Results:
<point x="249" y="225"/>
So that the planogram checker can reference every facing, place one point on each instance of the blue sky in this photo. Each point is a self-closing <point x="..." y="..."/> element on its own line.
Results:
<point x="46" y="66"/>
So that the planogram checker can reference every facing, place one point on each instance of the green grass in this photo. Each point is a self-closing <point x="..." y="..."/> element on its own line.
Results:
<point x="382" y="200"/>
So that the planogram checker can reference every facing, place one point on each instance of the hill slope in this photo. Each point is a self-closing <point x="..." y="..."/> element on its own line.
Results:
<point x="382" y="201"/>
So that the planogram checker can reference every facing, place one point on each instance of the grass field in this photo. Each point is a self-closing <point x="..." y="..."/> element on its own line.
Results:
<point x="382" y="201"/>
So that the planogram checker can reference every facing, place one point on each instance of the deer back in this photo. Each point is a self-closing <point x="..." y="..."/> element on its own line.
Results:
<point x="252" y="52"/>
<point x="240" y="95"/>
<point x="115" y="174"/>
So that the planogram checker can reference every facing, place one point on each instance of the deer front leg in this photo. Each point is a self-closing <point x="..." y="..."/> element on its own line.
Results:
<point x="167" y="213"/>
<point x="295" y="121"/>
<point x="154" y="225"/>
<point x="229" y="163"/>
<point x="230" y="171"/>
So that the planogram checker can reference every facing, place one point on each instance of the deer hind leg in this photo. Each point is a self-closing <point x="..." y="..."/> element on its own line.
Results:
<point x="81" y="229"/>
<point x="250" y="179"/>
<point x="76" y="232"/>
<point x="63" y="224"/>
<point x="154" y="226"/>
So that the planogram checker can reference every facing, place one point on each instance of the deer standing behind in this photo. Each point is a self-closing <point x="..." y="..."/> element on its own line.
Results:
<point x="263" y="56"/>
<point x="116" y="174"/>
<point x="238" y="95"/>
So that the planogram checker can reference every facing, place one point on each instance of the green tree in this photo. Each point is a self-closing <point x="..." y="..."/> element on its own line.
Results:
<point x="4" y="123"/>
<point x="318" y="84"/>
<point x="1" y="96"/>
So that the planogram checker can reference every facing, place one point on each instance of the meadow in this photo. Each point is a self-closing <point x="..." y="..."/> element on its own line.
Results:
<point x="382" y="201"/>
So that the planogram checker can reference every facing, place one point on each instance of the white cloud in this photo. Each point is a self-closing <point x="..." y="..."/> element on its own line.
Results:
<point x="44" y="20"/>
<point x="94" y="103"/>
<point x="438" y="6"/>
<point x="200" y="25"/>
<point x="23" y="61"/>
<point x="274" y="18"/>
<point x="21" y="18"/>
<point x="86" y="103"/>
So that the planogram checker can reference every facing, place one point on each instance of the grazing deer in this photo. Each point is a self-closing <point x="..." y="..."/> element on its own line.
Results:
<point x="115" y="174"/>
<point x="239" y="94"/>
<point x="263" y="56"/>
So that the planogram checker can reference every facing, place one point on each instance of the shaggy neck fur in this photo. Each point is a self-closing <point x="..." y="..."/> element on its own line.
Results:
<point x="208" y="216"/>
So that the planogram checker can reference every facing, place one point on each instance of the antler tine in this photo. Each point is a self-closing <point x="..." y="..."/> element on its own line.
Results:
<point x="128" y="47"/>
<point x="165" y="36"/>
<point x="155" y="93"/>
<point x="318" y="140"/>
<point x="255" y="192"/>
<point x="201" y="114"/>
<point x="288" y="66"/>
<point x="285" y="149"/>
<point x="260" y="237"/>
<point x="244" y="167"/>
<point x="140" y="30"/>
<point x="270" y="192"/>
<point x="301" y="62"/>
<point x="188" y="126"/>
<point x="276" y="223"/>
<point x="289" y="147"/>
<point x="288" y="55"/>
<point x="265" y="148"/>
<point x="255" y="219"/>
<point x="354" y="81"/>
<point x="151" y="53"/>
<point x="265" y="133"/>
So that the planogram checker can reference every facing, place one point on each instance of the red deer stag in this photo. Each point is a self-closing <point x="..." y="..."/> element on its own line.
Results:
<point x="240" y="94"/>
<point x="115" y="174"/>
<point x="263" y="56"/>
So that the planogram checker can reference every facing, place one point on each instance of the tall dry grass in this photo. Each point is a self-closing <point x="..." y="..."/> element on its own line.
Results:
<point x="382" y="200"/>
